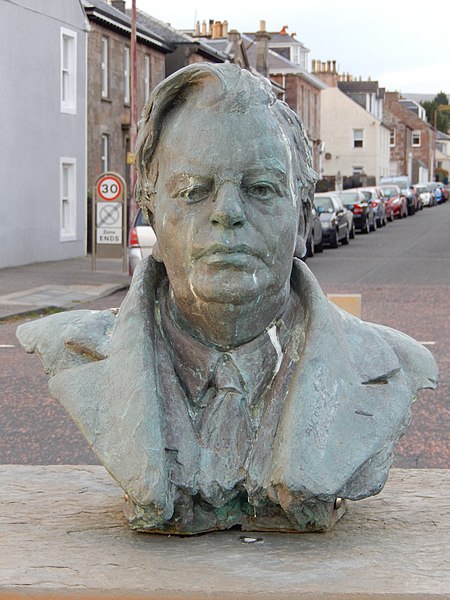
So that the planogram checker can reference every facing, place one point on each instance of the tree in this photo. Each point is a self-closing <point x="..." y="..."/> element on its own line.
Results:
<point x="442" y="120"/>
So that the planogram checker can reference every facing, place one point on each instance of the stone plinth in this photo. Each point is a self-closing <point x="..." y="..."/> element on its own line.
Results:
<point x="63" y="535"/>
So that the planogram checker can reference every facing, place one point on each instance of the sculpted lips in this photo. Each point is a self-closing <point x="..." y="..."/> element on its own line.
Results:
<point x="237" y="255"/>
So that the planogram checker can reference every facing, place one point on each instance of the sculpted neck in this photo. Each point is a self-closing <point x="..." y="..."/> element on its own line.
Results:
<point x="226" y="326"/>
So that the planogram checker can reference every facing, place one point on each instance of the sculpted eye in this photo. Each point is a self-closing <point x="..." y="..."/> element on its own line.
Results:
<point x="196" y="193"/>
<point x="261" y="190"/>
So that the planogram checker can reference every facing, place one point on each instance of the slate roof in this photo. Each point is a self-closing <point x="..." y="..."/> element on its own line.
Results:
<point x="111" y="17"/>
<point x="366" y="87"/>
<point x="277" y="38"/>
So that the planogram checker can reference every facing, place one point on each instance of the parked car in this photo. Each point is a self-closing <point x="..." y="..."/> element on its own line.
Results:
<point x="431" y="187"/>
<point x="397" y="199"/>
<point x="333" y="219"/>
<point x="424" y="194"/>
<point x="363" y="213"/>
<point x="314" y="243"/>
<point x="445" y="194"/>
<point x="141" y="240"/>
<point x="379" y="206"/>
<point x="348" y="215"/>
<point x="403" y="182"/>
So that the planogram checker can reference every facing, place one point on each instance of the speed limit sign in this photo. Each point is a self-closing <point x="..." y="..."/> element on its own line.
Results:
<point x="109" y="188"/>
<point x="109" y="218"/>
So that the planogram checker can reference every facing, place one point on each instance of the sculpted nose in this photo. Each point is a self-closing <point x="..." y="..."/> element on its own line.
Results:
<point x="227" y="208"/>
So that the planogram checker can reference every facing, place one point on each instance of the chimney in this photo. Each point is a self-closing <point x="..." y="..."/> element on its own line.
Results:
<point x="216" y="30"/>
<point x="225" y="29"/>
<point x="197" y="29"/>
<point x="210" y="27"/>
<point x="203" y="28"/>
<point x="262" y="49"/>
<point x="119" y="4"/>
<point x="326" y="71"/>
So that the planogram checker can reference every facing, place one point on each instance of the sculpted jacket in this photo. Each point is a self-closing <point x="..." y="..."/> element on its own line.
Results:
<point x="337" y="406"/>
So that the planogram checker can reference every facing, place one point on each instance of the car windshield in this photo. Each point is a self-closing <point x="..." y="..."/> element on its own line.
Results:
<point x="421" y="189"/>
<point x="349" y="198"/>
<point x="389" y="192"/>
<point x="324" y="204"/>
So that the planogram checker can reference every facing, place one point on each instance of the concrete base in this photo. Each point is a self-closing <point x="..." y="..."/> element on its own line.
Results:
<point x="63" y="535"/>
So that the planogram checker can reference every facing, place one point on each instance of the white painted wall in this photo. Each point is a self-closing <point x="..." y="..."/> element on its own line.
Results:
<point x="35" y="134"/>
<point x="339" y="116"/>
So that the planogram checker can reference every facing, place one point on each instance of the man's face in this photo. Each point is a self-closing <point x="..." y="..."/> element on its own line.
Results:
<point x="225" y="210"/>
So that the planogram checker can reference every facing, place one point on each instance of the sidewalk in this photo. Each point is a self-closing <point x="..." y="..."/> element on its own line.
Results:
<point x="58" y="284"/>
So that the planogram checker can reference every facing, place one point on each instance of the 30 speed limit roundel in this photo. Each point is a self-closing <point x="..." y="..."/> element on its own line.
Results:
<point x="109" y="188"/>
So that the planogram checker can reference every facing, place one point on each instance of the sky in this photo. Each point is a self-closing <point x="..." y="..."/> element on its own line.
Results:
<point x="404" y="44"/>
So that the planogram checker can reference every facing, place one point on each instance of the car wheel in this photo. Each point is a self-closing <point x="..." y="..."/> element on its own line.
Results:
<point x="352" y="231"/>
<point x="319" y="247"/>
<point x="334" y="240"/>
<point x="374" y="225"/>
<point x="366" y="227"/>
<point x="391" y="217"/>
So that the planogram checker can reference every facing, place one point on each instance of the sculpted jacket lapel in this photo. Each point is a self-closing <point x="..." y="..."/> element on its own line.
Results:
<point x="116" y="405"/>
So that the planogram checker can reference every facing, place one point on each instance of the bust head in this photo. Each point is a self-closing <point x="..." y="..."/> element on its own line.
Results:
<point x="225" y="178"/>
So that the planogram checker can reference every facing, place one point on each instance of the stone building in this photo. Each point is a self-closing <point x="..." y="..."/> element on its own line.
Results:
<point x="43" y="133"/>
<point x="109" y="84"/>
<point x="412" y="140"/>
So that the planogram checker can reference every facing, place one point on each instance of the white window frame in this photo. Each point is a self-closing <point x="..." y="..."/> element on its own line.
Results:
<point x="416" y="133"/>
<point x="393" y="137"/>
<point x="146" y="78"/>
<point x="105" y="66"/>
<point x="105" y="152"/>
<point x="356" y="138"/>
<point x="68" y="91"/>
<point x="68" y="199"/>
<point x="126" y="75"/>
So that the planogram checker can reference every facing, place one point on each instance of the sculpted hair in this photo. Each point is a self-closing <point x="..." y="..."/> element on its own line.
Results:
<point x="239" y="91"/>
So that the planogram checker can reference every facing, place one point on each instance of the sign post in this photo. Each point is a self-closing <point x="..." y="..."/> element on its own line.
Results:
<point x="109" y="219"/>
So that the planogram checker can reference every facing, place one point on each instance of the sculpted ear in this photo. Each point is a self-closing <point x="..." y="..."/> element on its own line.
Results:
<point x="304" y="225"/>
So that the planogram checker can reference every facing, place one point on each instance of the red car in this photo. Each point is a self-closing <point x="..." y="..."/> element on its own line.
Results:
<point x="396" y="199"/>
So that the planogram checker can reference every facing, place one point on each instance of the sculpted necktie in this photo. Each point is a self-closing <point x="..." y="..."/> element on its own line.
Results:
<point x="225" y="432"/>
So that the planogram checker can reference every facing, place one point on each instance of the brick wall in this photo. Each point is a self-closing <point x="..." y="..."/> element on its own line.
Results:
<point x="404" y="121"/>
<point x="111" y="116"/>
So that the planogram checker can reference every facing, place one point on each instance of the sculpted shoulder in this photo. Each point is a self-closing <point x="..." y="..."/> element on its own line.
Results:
<point x="68" y="339"/>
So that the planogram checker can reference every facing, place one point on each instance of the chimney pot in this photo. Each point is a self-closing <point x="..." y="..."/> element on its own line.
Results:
<point x="197" y="28"/>
<point x="203" y="28"/>
<point x="262" y="26"/>
<point x="216" y="30"/>
<point x="225" y="29"/>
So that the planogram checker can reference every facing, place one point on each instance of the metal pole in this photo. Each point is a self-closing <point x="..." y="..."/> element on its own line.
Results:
<point x="133" y="111"/>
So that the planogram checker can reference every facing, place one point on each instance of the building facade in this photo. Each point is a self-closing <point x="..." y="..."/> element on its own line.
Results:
<point x="42" y="155"/>
<point x="412" y="140"/>
<point x="109" y="85"/>
<point x="356" y="140"/>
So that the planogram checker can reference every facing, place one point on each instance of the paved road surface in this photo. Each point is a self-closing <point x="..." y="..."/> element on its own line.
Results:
<point x="403" y="274"/>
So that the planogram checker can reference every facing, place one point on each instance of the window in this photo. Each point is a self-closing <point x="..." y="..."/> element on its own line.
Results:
<point x="126" y="75"/>
<point x="358" y="170"/>
<point x="416" y="139"/>
<point x="105" y="152"/>
<point x="68" y="199"/>
<point x="393" y="137"/>
<point x="105" y="68"/>
<point x="357" y="138"/>
<point x="146" y="78"/>
<point x="68" y="71"/>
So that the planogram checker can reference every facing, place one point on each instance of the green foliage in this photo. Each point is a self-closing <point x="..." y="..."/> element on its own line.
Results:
<point x="442" y="119"/>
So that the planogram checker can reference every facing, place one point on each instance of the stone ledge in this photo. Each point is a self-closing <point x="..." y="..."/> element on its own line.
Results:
<point x="63" y="536"/>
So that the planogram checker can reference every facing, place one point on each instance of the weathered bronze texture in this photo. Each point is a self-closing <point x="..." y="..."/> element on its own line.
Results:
<point x="228" y="390"/>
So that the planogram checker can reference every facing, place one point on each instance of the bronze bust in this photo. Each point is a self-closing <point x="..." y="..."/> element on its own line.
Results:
<point x="227" y="390"/>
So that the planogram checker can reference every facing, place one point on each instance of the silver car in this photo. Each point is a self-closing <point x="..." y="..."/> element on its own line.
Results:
<point x="141" y="240"/>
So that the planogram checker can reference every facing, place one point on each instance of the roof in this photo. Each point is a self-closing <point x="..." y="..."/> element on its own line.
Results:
<point x="277" y="38"/>
<point x="107" y="15"/>
<point x="367" y="87"/>
<point x="279" y="65"/>
<point x="175" y="37"/>
<point x="440" y="135"/>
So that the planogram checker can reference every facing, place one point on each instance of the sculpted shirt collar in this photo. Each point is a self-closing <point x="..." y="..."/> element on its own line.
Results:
<point x="252" y="365"/>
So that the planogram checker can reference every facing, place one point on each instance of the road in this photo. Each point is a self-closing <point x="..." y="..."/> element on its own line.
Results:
<point x="403" y="274"/>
